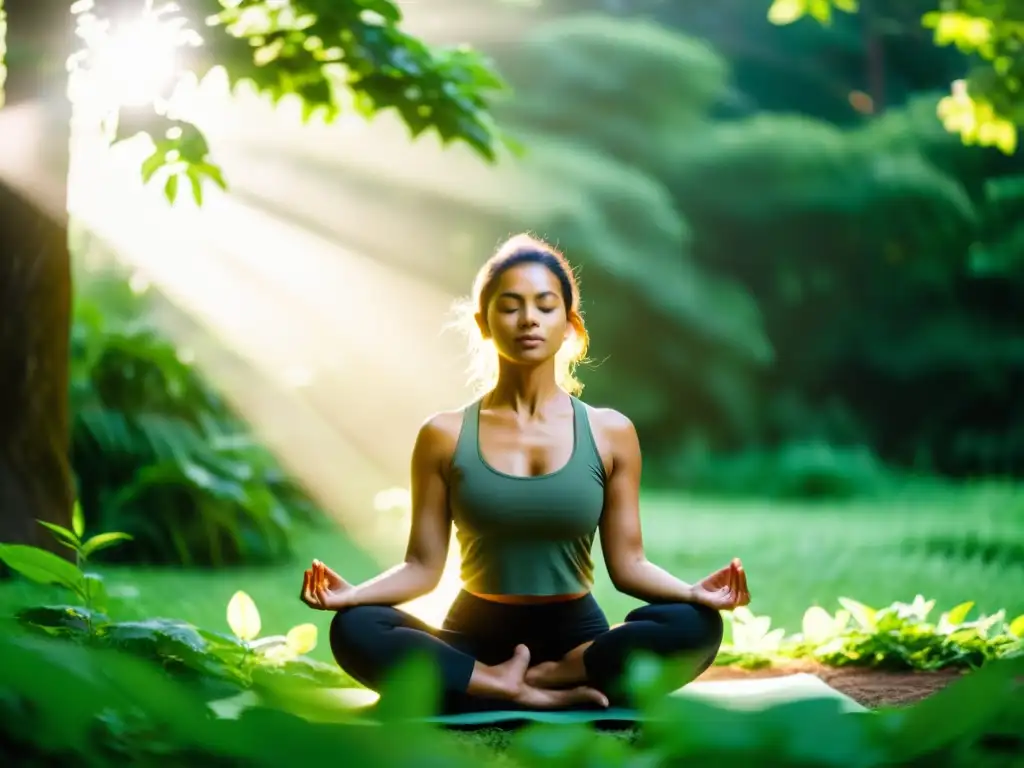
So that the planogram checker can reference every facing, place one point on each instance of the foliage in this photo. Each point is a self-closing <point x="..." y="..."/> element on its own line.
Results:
<point x="45" y="567"/>
<point x="910" y="221"/>
<point x="798" y="470"/>
<point x="84" y="706"/>
<point x="682" y="75"/>
<point x="155" y="450"/>
<point x="335" y="57"/>
<point x="224" y="665"/>
<point x="86" y="703"/>
<point x="749" y="249"/>
<point x="87" y="706"/>
<point x="898" y="637"/>
<point x="985" y="108"/>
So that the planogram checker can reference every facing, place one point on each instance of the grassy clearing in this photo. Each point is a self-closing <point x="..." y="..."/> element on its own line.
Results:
<point x="948" y="544"/>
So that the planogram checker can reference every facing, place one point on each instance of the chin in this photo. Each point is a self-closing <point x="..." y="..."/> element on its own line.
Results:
<point x="529" y="357"/>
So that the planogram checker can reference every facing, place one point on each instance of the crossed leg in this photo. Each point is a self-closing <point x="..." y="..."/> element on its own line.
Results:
<point x="369" y="641"/>
<point x="676" y="631"/>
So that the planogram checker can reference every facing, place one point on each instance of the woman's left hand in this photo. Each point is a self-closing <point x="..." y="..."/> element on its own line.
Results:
<point x="725" y="589"/>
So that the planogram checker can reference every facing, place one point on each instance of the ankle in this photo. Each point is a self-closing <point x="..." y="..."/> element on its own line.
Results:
<point x="498" y="682"/>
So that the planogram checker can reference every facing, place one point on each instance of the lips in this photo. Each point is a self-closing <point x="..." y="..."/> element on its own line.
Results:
<point x="529" y="339"/>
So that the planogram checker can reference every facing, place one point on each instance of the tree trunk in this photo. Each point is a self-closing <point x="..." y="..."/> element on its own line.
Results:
<point x="35" y="274"/>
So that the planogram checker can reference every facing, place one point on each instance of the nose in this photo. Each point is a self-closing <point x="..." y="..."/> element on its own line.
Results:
<point x="528" y="317"/>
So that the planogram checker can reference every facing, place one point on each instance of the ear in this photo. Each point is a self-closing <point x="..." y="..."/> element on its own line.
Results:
<point x="481" y="324"/>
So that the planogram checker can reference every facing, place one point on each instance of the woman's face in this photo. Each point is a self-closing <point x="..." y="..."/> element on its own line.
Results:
<point x="526" y="317"/>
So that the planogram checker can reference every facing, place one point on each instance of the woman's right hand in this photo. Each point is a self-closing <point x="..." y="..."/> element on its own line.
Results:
<point x="323" y="589"/>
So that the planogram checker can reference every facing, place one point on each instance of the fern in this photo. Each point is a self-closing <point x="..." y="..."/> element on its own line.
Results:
<point x="156" y="451"/>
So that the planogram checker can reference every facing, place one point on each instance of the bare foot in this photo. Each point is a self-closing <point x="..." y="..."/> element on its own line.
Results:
<point x="547" y="698"/>
<point x="501" y="681"/>
<point x="557" y="674"/>
<point x="508" y="681"/>
<point x="567" y="672"/>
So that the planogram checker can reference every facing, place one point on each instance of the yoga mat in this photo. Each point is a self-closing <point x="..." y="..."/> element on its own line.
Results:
<point x="739" y="695"/>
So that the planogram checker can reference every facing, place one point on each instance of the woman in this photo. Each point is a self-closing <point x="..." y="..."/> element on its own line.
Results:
<point x="527" y="474"/>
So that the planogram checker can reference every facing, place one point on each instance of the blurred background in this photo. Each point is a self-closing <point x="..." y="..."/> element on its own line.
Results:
<point x="804" y="291"/>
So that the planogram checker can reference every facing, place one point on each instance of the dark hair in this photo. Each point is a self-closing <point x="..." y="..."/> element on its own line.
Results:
<point x="525" y="249"/>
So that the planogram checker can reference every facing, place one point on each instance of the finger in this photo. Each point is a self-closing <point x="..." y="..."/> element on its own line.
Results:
<point x="325" y="580"/>
<point x="739" y="591"/>
<point x="307" y="590"/>
<point x="321" y="577"/>
<point x="305" y="585"/>
<point x="321" y="598"/>
<point x="743" y="580"/>
<point x="720" y="577"/>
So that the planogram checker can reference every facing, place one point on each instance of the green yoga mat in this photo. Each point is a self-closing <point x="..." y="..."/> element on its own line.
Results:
<point x="741" y="695"/>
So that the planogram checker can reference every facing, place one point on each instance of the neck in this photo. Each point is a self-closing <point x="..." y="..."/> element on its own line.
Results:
<point x="525" y="390"/>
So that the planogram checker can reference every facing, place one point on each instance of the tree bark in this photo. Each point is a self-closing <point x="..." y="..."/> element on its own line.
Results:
<point x="35" y="275"/>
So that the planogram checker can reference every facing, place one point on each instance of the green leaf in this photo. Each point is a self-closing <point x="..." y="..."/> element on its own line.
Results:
<point x="171" y="188"/>
<point x="102" y="541"/>
<point x="820" y="10"/>
<point x="302" y="639"/>
<point x="786" y="11"/>
<point x="818" y="626"/>
<point x="62" y="620"/>
<point x="66" y="537"/>
<point x="41" y="566"/>
<point x="152" y="164"/>
<point x="196" y="180"/>
<point x="964" y="709"/>
<point x="958" y="614"/>
<point x="243" y="616"/>
<point x="213" y="172"/>
<point x="411" y="691"/>
<point x="78" y="519"/>
<point x="862" y="614"/>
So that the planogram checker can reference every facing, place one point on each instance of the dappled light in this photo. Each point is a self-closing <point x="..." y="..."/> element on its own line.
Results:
<point x="241" y="312"/>
<point x="128" y="62"/>
<point x="300" y="308"/>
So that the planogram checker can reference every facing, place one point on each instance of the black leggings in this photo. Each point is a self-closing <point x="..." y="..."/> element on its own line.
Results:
<point x="368" y="641"/>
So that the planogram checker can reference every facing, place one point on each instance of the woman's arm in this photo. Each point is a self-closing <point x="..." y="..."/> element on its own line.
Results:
<point x="427" y="550"/>
<point x="621" y="538"/>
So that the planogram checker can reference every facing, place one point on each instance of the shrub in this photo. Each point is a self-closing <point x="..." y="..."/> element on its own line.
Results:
<point x="897" y="637"/>
<point x="77" y="706"/>
<point x="222" y="665"/>
<point x="810" y="470"/>
<point x="158" y="454"/>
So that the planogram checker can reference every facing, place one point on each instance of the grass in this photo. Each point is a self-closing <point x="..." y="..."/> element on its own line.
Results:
<point x="948" y="544"/>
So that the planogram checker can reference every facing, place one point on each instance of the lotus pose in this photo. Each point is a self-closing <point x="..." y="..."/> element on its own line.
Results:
<point x="527" y="474"/>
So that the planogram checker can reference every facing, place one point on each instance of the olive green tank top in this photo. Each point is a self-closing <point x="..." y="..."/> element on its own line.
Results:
<point x="526" y="535"/>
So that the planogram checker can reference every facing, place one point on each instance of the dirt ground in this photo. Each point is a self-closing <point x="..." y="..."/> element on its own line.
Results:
<point x="869" y="687"/>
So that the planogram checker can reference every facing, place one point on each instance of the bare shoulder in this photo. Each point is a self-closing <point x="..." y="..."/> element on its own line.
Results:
<point x="611" y="424"/>
<point x="614" y="434"/>
<point x="439" y="434"/>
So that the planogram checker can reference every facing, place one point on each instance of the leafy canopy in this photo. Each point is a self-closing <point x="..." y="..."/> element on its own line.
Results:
<point x="986" y="107"/>
<point x="337" y="56"/>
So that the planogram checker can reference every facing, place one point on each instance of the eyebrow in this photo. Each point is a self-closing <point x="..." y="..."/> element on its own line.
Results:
<point x="519" y="296"/>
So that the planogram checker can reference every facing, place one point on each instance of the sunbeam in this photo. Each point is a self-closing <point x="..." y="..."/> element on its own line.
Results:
<point x="305" y="300"/>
